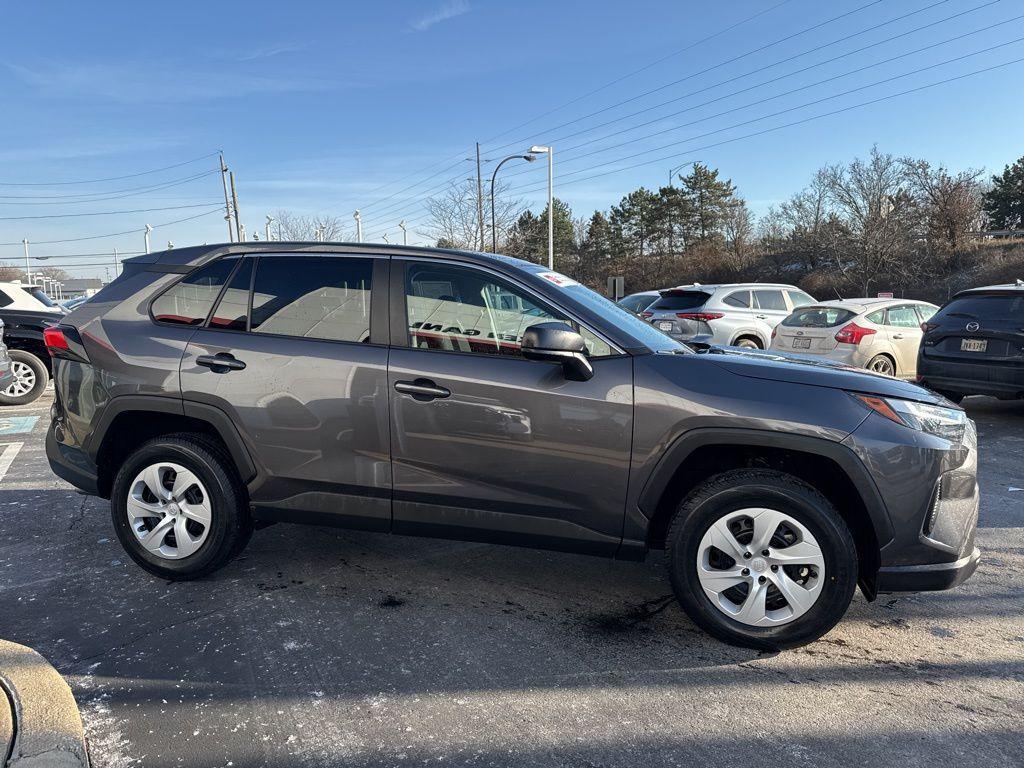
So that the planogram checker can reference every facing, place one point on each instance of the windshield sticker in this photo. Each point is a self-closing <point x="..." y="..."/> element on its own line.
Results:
<point x="558" y="279"/>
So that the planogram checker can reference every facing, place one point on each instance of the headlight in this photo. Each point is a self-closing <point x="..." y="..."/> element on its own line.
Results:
<point x="947" y="423"/>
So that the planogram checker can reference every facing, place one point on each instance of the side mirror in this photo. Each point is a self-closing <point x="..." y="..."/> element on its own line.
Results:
<point x="558" y="343"/>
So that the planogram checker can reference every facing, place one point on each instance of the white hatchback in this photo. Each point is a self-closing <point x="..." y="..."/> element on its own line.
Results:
<point x="881" y="335"/>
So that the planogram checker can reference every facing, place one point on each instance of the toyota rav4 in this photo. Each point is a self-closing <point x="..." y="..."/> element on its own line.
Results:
<point x="442" y="393"/>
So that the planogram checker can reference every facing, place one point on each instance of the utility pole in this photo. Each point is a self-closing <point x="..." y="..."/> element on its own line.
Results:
<point x="117" y="267"/>
<point x="359" y="226"/>
<point x="270" y="220"/>
<point x="480" y="198"/>
<point x="227" y="202"/>
<point x="148" y="230"/>
<point x="405" y="232"/>
<point x="28" y="264"/>
<point x="234" y="201"/>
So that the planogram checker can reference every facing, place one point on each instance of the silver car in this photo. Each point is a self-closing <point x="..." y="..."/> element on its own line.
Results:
<point x="882" y="335"/>
<point x="732" y="314"/>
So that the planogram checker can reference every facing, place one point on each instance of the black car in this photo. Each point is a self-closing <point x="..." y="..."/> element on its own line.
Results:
<point x="974" y="345"/>
<point x="30" y="362"/>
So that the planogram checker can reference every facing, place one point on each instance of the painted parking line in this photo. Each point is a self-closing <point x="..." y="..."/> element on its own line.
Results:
<point x="17" y="425"/>
<point x="7" y="457"/>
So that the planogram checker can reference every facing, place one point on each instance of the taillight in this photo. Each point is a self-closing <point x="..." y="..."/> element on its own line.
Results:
<point x="851" y="333"/>
<point x="775" y="332"/>
<point x="929" y="326"/>
<point x="702" y="316"/>
<point x="54" y="339"/>
<point x="646" y="315"/>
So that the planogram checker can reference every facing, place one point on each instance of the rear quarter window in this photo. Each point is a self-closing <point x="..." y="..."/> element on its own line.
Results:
<point x="190" y="300"/>
<point x="676" y="300"/>
<point x="819" y="317"/>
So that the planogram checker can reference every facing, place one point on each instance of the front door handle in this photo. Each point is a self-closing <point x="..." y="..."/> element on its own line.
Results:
<point x="222" y="362"/>
<point x="897" y="335"/>
<point x="423" y="390"/>
<point x="761" y="317"/>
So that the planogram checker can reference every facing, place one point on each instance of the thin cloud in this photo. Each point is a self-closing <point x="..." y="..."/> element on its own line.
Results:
<point x="257" y="54"/>
<point x="448" y="10"/>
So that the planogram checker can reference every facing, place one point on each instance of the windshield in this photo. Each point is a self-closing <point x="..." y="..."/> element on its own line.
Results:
<point x="643" y="332"/>
<point x="38" y="294"/>
<point x="673" y="300"/>
<point x="818" y="317"/>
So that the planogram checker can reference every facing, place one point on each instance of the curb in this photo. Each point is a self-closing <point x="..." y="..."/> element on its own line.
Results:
<point x="39" y="713"/>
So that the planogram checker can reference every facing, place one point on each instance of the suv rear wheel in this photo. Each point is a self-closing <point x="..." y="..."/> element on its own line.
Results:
<point x="760" y="559"/>
<point x="30" y="378"/>
<point x="178" y="507"/>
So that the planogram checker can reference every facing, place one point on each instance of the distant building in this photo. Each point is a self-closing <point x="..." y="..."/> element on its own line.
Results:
<point x="81" y="286"/>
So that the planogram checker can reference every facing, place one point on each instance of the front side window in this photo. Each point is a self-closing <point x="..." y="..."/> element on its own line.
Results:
<point x="313" y="297"/>
<point x="458" y="309"/>
<point x="189" y="301"/>
<point x="902" y="317"/>
<point x="800" y="299"/>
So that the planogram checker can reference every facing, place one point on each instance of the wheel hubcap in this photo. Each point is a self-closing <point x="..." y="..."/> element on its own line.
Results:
<point x="169" y="510"/>
<point x="882" y="366"/>
<point x="777" y="585"/>
<point x="24" y="379"/>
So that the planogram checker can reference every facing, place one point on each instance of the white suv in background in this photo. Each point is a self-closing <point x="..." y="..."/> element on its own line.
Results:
<point x="881" y="335"/>
<point x="732" y="314"/>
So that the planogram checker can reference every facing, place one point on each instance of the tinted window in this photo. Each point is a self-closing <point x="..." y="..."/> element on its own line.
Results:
<point x="877" y="317"/>
<point x="799" y="299"/>
<point x="636" y="303"/>
<point x="902" y="317"/>
<point x="738" y="299"/>
<point x="673" y="300"/>
<point x="982" y="307"/>
<point x="465" y="310"/>
<point x="189" y="301"/>
<point x="769" y="299"/>
<point x="315" y="297"/>
<point x="5" y="299"/>
<point x="233" y="309"/>
<point x="819" y="317"/>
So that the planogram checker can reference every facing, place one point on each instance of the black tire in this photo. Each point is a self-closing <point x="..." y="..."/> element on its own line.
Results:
<point x="882" y="364"/>
<point x="230" y="525"/>
<point x="39" y="371"/>
<point x="748" y="342"/>
<point x="738" y="489"/>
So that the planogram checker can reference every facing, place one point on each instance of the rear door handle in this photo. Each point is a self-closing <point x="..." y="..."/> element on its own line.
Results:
<point x="897" y="335"/>
<point x="222" y="362"/>
<point x="423" y="390"/>
<point x="761" y="317"/>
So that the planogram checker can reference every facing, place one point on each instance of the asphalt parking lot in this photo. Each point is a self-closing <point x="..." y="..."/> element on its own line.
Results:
<point x="323" y="647"/>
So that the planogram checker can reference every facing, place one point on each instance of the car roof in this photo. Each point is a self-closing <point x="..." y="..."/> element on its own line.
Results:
<point x="712" y="287"/>
<point x="866" y="304"/>
<point x="1010" y="288"/>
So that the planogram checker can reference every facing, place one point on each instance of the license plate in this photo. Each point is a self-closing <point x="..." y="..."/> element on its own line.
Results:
<point x="801" y="343"/>
<point x="973" y="345"/>
<point x="664" y="326"/>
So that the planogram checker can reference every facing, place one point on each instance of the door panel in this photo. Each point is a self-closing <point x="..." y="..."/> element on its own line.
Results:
<point x="903" y="329"/>
<point x="515" y="453"/>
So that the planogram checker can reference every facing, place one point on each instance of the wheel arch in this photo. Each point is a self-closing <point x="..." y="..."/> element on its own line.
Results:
<point x="749" y="334"/>
<point x="891" y="355"/>
<point x="830" y="467"/>
<point x="129" y="421"/>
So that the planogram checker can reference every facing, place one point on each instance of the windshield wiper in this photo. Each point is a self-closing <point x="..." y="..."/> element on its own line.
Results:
<point x="961" y="314"/>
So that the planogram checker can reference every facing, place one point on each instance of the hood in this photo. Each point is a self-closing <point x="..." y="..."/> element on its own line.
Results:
<point x="773" y="366"/>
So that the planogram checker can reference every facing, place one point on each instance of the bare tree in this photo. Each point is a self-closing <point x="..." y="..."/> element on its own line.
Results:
<point x="951" y="202"/>
<point x="293" y="226"/>
<point x="9" y="274"/>
<point x="738" y="228"/>
<point x="454" y="216"/>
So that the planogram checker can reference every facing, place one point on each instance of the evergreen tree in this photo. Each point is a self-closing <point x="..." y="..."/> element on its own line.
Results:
<point x="634" y="224"/>
<point x="1004" y="203"/>
<point x="709" y="201"/>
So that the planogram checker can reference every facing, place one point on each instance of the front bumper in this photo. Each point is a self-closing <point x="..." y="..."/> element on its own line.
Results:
<point x="933" y="576"/>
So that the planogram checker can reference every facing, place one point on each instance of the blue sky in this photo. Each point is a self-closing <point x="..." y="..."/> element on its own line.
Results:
<point x="325" y="107"/>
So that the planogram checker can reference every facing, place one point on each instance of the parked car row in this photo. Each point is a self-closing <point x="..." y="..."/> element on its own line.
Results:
<point x="973" y="345"/>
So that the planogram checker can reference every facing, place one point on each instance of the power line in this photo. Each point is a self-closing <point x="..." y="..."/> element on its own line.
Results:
<point x="787" y="93"/>
<point x="87" y="255"/>
<point x="86" y="196"/>
<point x="734" y="59"/>
<point x="110" y="178"/>
<point x="143" y="191"/>
<point x="218" y="209"/>
<point x="101" y="213"/>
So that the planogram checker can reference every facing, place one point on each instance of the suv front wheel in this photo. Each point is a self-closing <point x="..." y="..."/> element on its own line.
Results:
<point x="178" y="507"/>
<point x="760" y="559"/>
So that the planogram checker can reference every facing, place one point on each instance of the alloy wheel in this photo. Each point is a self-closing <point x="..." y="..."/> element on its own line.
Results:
<point x="881" y="364"/>
<point x="169" y="510"/>
<point x="760" y="567"/>
<point x="24" y="379"/>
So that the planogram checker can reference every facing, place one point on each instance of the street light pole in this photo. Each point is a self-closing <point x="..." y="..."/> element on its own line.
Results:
<point x="494" y="223"/>
<point x="28" y="264"/>
<point x="359" y="226"/>
<point x="405" y="232"/>
<point x="270" y="220"/>
<point x="148" y="230"/>
<point x="550" y="152"/>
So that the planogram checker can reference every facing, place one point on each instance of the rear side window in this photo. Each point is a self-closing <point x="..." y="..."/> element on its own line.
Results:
<point x="673" y="300"/>
<point x="769" y="299"/>
<point x="189" y="301"/>
<point x="902" y="317"/>
<point x="636" y="303"/>
<point x="981" y="307"/>
<point x="314" y="297"/>
<point x="738" y="299"/>
<point x="819" y="317"/>
<point x="800" y="299"/>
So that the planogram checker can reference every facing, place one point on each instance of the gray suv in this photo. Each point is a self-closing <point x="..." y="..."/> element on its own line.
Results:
<point x="733" y="314"/>
<point x="432" y="392"/>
